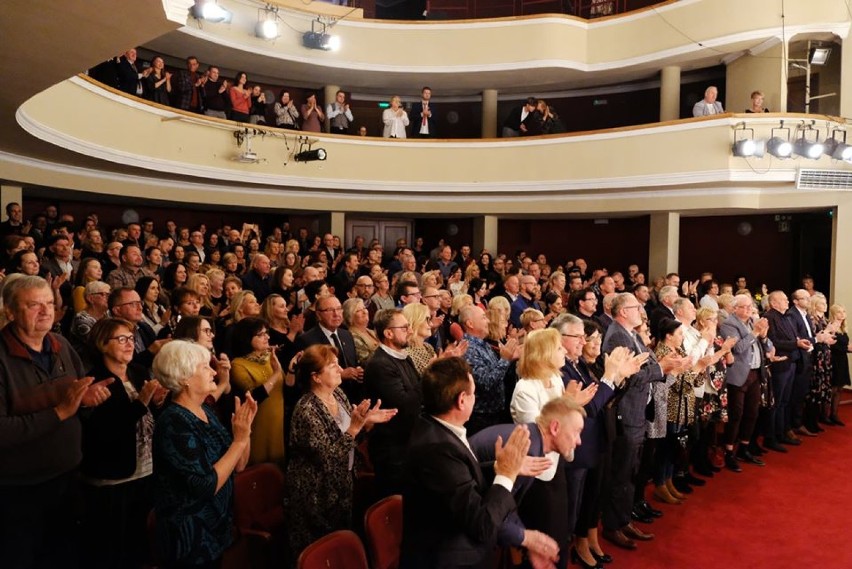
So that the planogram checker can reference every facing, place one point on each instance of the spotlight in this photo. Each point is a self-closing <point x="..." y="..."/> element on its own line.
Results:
<point x="819" y="55"/>
<point x="267" y="29"/>
<point x="837" y="149"/>
<point x="210" y="11"/>
<point x="310" y="155"/>
<point x="319" y="38"/>
<point x="746" y="147"/>
<point x="779" y="147"/>
<point x="812" y="149"/>
<point x="267" y="23"/>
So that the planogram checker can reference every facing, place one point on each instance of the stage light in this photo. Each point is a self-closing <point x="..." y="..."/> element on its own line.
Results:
<point x="747" y="146"/>
<point x="311" y="155"/>
<point x="806" y="148"/>
<point x="267" y="23"/>
<point x="779" y="147"/>
<point x="838" y="149"/>
<point x="319" y="38"/>
<point x="210" y="11"/>
<point x="819" y="55"/>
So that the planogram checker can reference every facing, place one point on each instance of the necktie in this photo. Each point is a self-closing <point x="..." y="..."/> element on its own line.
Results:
<point x="340" y="351"/>
<point x="425" y="109"/>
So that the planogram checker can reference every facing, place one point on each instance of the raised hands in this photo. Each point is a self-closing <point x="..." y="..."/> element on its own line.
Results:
<point x="510" y="458"/>
<point x="582" y="396"/>
<point x="72" y="398"/>
<point x="244" y="412"/>
<point x="97" y="393"/>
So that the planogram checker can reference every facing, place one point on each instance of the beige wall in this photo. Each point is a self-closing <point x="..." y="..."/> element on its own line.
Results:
<point x="761" y="72"/>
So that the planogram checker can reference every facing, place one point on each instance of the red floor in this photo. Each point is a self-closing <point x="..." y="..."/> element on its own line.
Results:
<point x="794" y="512"/>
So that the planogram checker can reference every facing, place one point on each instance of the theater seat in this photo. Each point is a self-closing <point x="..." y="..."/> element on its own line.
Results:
<point x="383" y="528"/>
<point x="338" y="550"/>
<point x="259" y="513"/>
<point x="456" y="332"/>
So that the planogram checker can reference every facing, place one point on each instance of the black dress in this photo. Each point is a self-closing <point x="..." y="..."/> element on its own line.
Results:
<point x="840" y="360"/>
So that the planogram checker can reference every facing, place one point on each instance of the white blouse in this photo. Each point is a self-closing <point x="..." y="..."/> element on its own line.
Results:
<point x="394" y="125"/>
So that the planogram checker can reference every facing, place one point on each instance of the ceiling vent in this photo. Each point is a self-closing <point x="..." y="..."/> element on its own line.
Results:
<point x="813" y="179"/>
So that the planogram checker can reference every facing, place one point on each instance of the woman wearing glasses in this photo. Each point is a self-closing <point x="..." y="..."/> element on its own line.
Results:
<point x="117" y="462"/>
<point x="255" y="364"/>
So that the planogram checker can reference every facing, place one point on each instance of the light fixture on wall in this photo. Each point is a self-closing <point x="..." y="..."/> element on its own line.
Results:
<point x="745" y="145"/>
<point x="838" y="149"/>
<point x="267" y="23"/>
<point x="210" y="11"/>
<point x="808" y="145"/>
<point x="319" y="38"/>
<point x="819" y="55"/>
<point x="304" y="152"/>
<point x="780" y="146"/>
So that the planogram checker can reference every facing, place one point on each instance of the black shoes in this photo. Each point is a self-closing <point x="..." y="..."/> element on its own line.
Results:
<point x="772" y="445"/>
<point x="756" y="449"/>
<point x="575" y="558"/>
<point x="731" y="462"/>
<point x="694" y="480"/>
<point x="605" y="558"/>
<point x="682" y="485"/>
<point x="789" y="441"/>
<point x="649" y="509"/>
<point x="835" y="420"/>
<point x="637" y="515"/>
<point x="746" y="456"/>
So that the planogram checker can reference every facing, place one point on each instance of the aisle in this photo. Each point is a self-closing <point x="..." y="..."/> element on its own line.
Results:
<point x="794" y="512"/>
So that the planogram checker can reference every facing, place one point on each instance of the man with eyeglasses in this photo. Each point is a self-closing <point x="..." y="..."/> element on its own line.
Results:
<point x="431" y="298"/>
<point x="634" y="408"/>
<point x="364" y="289"/>
<point x="587" y="304"/>
<point x="124" y="302"/>
<point x="392" y="378"/>
<point x="526" y="299"/>
<point x="328" y="331"/>
<point x="40" y="432"/>
<point x="407" y="292"/>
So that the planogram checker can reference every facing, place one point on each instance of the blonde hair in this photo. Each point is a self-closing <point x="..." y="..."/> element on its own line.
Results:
<point x="528" y="315"/>
<point x="498" y="317"/>
<point x="416" y="314"/>
<point x="192" y="283"/>
<point x="725" y="301"/>
<point x="237" y="302"/>
<point x="812" y="310"/>
<point x="832" y="312"/>
<point x="537" y="358"/>
<point x="702" y="315"/>
<point x="459" y="302"/>
<point x="468" y="273"/>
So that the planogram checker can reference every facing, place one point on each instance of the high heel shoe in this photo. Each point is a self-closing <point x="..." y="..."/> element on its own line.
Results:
<point x="601" y="559"/>
<point x="575" y="558"/>
<point x="662" y="494"/>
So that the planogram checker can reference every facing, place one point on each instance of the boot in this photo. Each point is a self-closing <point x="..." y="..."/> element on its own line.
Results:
<point x="674" y="491"/>
<point x="731" y="462"/>
<point x="662" y="494"/>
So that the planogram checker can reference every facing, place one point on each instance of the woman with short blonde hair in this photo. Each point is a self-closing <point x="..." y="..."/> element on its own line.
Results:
<point x="538" y="370"/>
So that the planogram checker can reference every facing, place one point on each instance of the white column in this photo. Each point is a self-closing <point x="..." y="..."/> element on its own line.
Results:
<point x="485" y="233"/>
<point x="489" y="114"/>
<point x="670" y="93"/>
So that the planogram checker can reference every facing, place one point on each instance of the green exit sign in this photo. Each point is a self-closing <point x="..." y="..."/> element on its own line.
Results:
<point x="599" y="102"/>
<point x="384" y="105"/>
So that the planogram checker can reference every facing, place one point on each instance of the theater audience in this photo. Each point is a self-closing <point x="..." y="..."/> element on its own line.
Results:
<point x="240" y="96"/>
<point x="286" y="113"/>
<point x="708" y="105"/>
<point x="757" y="103"/>
<point x="357" y="318"/>
<point x="312" y="115"/>
<point x="95" y="309"/>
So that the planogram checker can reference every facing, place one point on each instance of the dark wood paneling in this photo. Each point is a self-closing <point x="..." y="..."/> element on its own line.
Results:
<point x="613" y="245"/>
<point x="433" y="229"/>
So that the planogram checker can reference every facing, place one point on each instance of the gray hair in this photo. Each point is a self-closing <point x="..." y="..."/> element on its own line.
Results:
<point x="680" y="303"/>
<point x="619" y="301"/>
<point x="349" y="308"/>
<point x="94" y="287"/>
<point x="564" y="320"/>
<point x="13" y="287"/>
<point x="177" y="361"/>
<point x="667" y="291"/>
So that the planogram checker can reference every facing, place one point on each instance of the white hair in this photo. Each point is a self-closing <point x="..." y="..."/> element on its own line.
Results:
<point x="177" y="361"/>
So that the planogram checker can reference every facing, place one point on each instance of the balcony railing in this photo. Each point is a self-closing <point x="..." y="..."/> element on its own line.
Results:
<point x="476" y="9"/>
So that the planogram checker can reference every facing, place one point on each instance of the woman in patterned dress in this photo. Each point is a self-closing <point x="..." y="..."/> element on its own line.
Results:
<point x="819" y="394"/>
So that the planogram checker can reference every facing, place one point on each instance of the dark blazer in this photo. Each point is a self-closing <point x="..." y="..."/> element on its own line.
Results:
<point x="450" y="518"/>
<point x="109" y="430"/>
<point x="128" y="76"/>
<point x="512" y="530"/>
<point x="416" y="120"/>
<point x="316" y="336"/>
<point x="397" y="383"/>
<point x="145" y="336"/>
<point x="660" y="311"/>
<point x="782" y="334"/>
<point x="631" y="407"/>
<point x="738" y="371"/>
<point x="588" y="454"/>
<point x="260" y="286"/>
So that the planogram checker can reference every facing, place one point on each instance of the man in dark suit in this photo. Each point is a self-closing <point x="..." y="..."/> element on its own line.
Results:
<point x="125" y="303"/>
<point x="782" y="333"/>
<point x="422" y="116"/>
<point x="328" y="331"/>
<point x="798" y="314"/>
<point x="633" y="408"/>
<point x="540" y="524"/>
<point x="743" y="379"/>
<point x="450" y="518"/>
<point x="391" y="377"/>
<point x="668" y="295"/>
<point x="129" y="78"/>
<point x="259" y="278"/>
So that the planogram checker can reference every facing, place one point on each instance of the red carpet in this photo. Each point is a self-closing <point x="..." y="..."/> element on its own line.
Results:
<point x="794" y="512"/>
